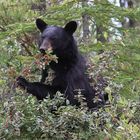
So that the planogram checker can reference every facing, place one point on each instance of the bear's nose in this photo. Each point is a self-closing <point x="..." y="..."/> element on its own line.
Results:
<point x="45" y="45"/>
<point x="42" y="51"/>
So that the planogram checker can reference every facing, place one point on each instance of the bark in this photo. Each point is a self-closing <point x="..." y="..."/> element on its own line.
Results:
<point x="131" y="21"/>
<point x="100" y="36"/>
<point x="129" y="4"/>
<point x="133" y="4"/>
<point x="85" y="21"/>
<point x="41" y="6"/>
<point x="124" y="23"/>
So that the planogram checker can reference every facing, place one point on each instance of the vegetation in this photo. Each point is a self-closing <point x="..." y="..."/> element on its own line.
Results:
<point x="108" y="35"/>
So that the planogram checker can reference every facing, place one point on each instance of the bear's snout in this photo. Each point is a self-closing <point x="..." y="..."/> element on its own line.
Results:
<point x="46" y="45"/>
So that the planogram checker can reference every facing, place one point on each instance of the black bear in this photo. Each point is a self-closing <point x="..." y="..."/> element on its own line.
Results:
<point x="70" y="71"/>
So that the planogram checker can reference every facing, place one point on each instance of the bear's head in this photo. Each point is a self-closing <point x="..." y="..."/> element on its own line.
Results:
<point x="58" y="39"/>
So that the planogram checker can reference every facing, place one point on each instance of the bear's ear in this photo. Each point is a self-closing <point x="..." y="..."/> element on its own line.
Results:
<point x="71" y="27"/>
<point x="41" y="25"/>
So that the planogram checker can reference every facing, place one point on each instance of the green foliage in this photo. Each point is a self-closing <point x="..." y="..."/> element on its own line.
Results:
<point x="117" y="61"/>
<point x="25" y="118"/>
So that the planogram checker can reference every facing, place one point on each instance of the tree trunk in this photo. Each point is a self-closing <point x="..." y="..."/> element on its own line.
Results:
<point x="134" y="4"/>
<point x="131" y="21"/>
<point x="85" y="21"/>
<point x="100" y="36"/>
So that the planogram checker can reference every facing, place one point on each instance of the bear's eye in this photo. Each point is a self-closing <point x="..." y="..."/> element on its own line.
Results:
<point x="42" y="37"/>
<point x="53" y="38"/>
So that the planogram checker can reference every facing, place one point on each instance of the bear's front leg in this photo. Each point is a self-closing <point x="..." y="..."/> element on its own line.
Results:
<point x="35" y="88"/>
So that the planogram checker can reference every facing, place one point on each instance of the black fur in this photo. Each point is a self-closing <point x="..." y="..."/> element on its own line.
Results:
<point x="70" y="71"/>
